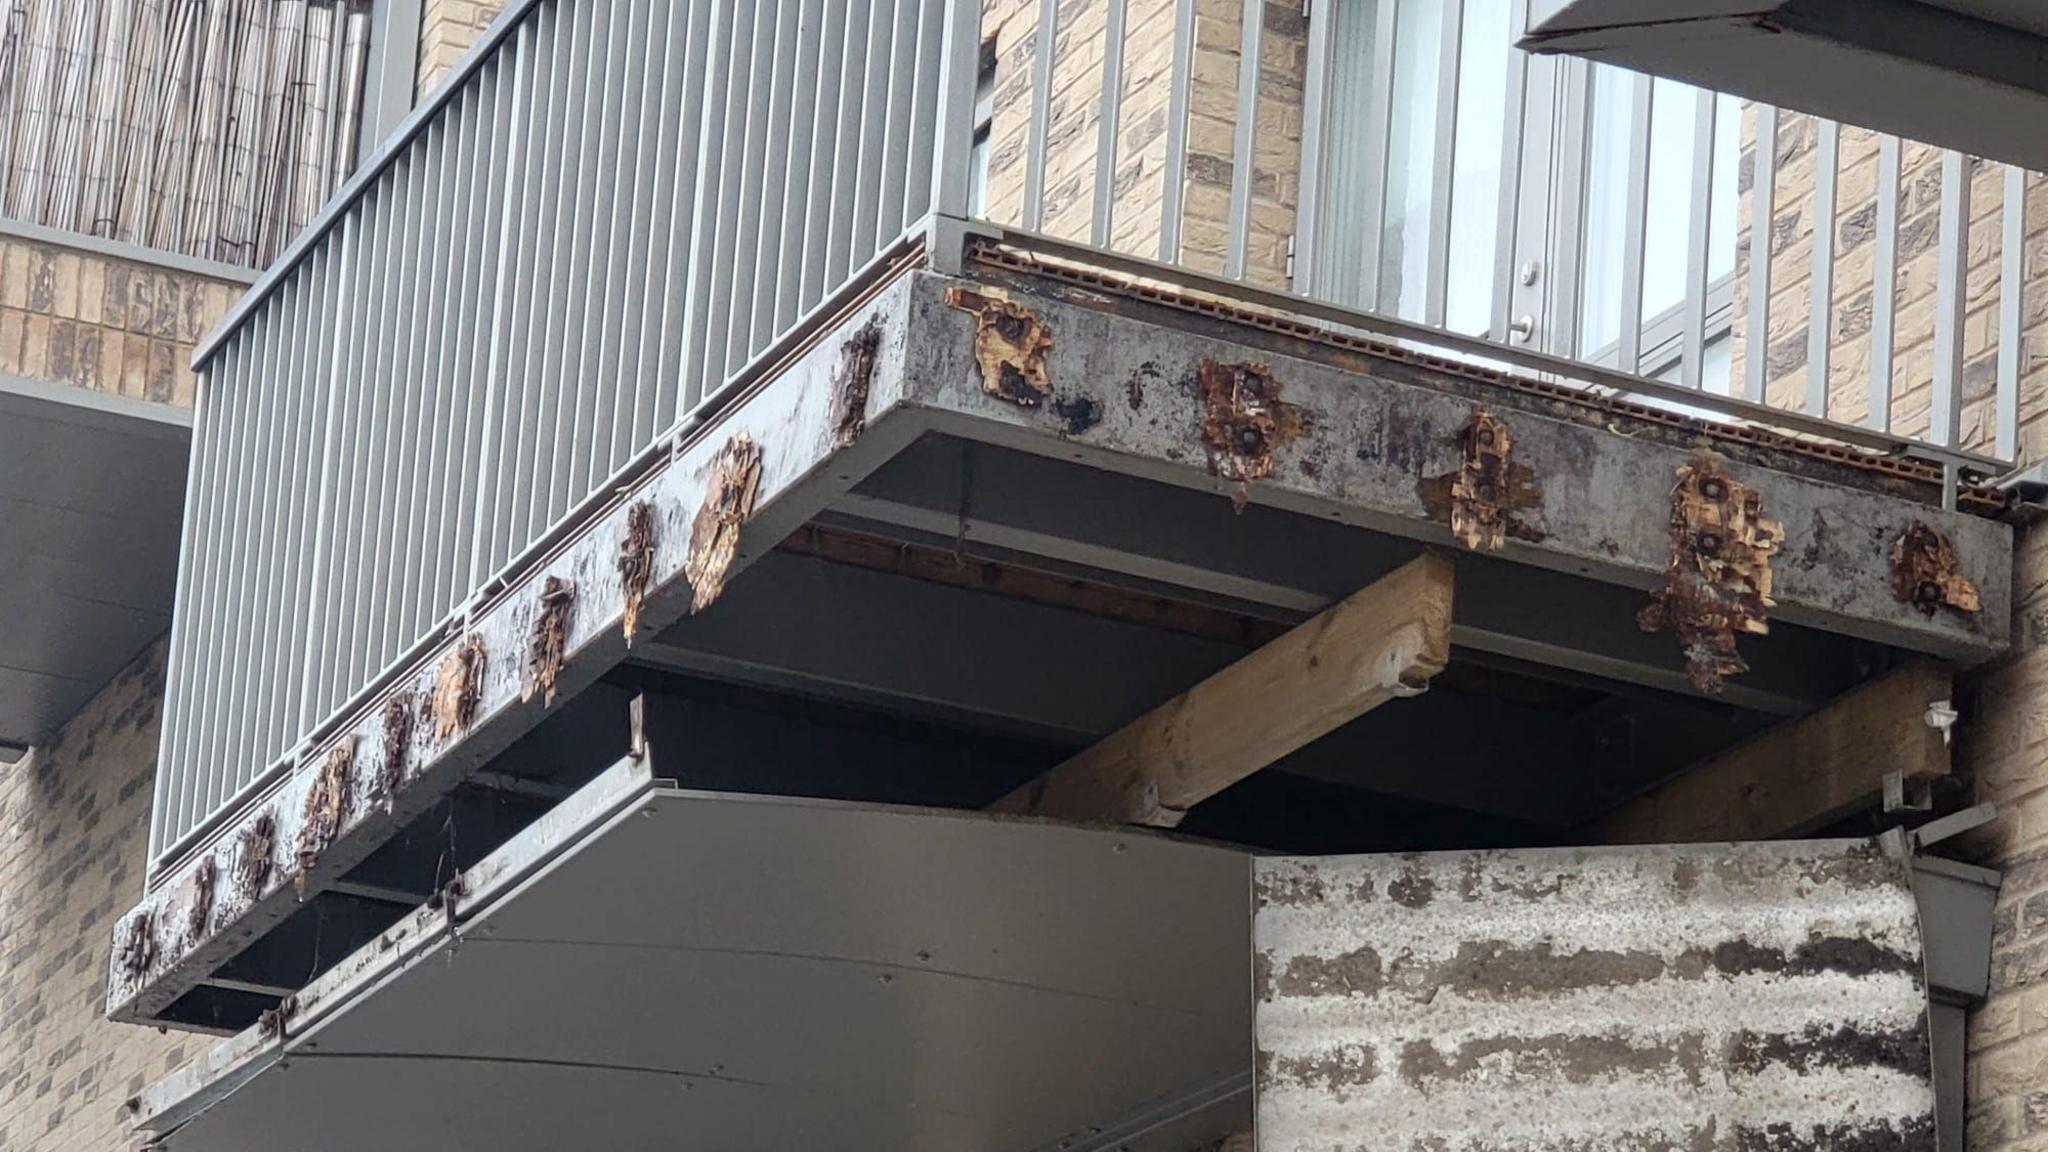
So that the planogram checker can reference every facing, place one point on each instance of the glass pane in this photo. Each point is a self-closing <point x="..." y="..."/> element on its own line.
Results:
<point x="1475" y="169"/>
<point x="1341" y="233"/>
<point x="1606" y="204"/>
<point x="1672" y="106"/>
<point x="1404" y="251"/>
<point x="1727" y="157"/>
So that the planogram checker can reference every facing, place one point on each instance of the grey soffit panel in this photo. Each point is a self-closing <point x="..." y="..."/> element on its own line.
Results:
<point x="1964" y="74"/>
<point x="91" y="495"/>
<point x="1705" y="997"/>
<point x="653" y="968"/>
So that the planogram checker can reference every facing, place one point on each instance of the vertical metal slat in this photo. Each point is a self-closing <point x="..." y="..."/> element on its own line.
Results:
<point x="1437" y="269"/>
<point x="1635" y="226"/>
<point x="2012" y="279"/>
<point x="1242" y="152"/>
<point x="1699" y="226"/>
<point x="1951" y="297"/>
<point x="1821" y="280"/>
<point x="1884" y="284"/>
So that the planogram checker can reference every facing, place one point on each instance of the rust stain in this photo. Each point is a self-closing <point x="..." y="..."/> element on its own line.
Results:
<point x="253" y="852"/>
<point x="326" y="806"/>
<point x="1718" y="583"/>
<point x="199" y="910"/>
<point x="715" y="534"/>
<point x="398" y="723"/>
<point x="138" y="948"/>
<point x="1243" y="421"/>
<point x="1482" y="500"/>
<point x="1925" y="572"/>
<point x="1011" y="346"/>
<point x="458" y="681"/>
<point x="636" y="565"/>
<point x="270" y="1022"/>
<point x="850" y="380"/>
<point x="547" y="645"/>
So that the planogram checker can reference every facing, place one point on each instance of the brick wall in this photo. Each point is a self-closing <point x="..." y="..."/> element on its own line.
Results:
<point x="447" y="29"/>
<point x="1140" y="184"/>
<point x="2005" y="746"/>
<point x="1790" y="250"/>
<point x="74" y="821"/>
<point x="76" y="316"/>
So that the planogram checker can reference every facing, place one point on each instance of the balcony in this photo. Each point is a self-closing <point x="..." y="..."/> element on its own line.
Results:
<point x="607" y="294"/>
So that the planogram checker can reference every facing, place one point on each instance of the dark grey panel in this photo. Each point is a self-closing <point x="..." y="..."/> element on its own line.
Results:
<point x="718" y="972"/>
<point x="91" y="498"/>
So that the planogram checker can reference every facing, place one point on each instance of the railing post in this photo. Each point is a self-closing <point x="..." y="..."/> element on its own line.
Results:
<point x="959" y="63"/>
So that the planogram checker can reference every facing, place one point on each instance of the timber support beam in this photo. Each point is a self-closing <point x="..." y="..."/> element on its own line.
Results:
<point x="1803" y="774"/>
<point x="1383" y="642"/>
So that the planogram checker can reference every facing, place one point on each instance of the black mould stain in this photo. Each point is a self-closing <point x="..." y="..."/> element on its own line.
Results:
<point x="1077" y="413"/>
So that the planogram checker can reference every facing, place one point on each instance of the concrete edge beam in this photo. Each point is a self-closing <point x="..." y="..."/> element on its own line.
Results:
<point x="1128" y="395"/>
<point x="248" y="877"/>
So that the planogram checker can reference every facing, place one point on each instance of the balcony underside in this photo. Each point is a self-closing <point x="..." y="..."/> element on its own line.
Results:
<point x="90" y="488"/>
<point x="940" y="591"/>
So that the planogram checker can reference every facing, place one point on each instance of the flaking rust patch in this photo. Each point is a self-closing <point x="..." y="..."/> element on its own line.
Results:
<point x="458" y="681"/>
<point x="326" y="806"/>
<point x="548" y="643"/>
<point x="252" y="855"/>
<point x="1011" y="347"/>
<point x="138" y="948"/>
<point x="850" y="380"/>
<point x="1926" y="572"/>
<point x="398" y="726"/>
<point x="199" y="906"/>
<point x="715" y="533"/>
<point x="1718" y="583"/>
<point x="1483" y="499"/>
<point x="636" y="565"/>
<point x="1243" y="421"/>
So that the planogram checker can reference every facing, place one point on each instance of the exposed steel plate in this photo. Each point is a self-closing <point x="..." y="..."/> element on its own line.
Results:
<point x="1752" y="997"/>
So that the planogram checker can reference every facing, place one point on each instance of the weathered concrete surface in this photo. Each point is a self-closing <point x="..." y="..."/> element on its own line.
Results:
<point x="1703" y="998"/>
<point x="1373" y="449"/>
<point x="254" y="861"/>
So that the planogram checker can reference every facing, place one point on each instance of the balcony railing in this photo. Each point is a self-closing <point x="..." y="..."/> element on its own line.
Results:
<point x="612" y="209"/>
<point x="619" y="209"/>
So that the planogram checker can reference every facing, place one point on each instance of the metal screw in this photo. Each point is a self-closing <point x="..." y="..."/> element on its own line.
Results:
<point x="1521" y="328"/>
<point x="1530" y="270"/>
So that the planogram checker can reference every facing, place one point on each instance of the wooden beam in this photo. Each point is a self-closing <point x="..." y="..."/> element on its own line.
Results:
<point x="1803" y="774"/>
<point x="1381" y="642"/>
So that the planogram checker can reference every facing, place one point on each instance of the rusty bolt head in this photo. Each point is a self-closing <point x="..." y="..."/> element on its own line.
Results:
<point x="1249" y="439"/>
<point x="1009" y="326"/>
<point x="1712" y="488"/>
<point x="1927" y="593"/>
<point x="1484" y="436"/>
<point x="1707" y="543"/>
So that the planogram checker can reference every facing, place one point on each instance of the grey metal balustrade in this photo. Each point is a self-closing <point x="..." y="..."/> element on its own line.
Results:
<point x="614" y="207"/>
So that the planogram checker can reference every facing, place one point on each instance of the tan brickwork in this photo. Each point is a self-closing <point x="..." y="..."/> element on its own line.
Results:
<point x="74" y="822"/>
<point x="1140" y="185"/>
<point x="447" y="29"/>
<point x="1919" y="193"/>
<point x="79" y="317"/>
<point x="2005" y="748"/>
